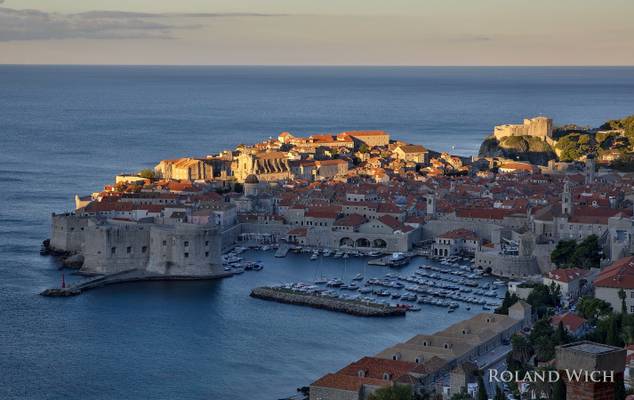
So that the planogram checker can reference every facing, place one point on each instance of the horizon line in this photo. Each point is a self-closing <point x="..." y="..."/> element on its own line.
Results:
<point x="332" y="65"/>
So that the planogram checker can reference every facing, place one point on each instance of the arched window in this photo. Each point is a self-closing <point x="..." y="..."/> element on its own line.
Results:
<point x="387" y="376"/>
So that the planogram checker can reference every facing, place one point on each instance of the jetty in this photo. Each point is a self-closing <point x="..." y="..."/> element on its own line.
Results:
<point x="282" y="251"/>
<point x="354" y="307"/>
<point x="132" y="275"/>
<point x="398" y="260"/>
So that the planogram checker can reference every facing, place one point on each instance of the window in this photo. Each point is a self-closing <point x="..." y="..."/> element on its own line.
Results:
<point x="207" y="243"/>
<point x="113" y="251"/>
<point x="206" y="254"/>
<point x="418" y="360"/>
<point x="164" y="242"/>
<point x="186" y="244"/>
<point x="632" y="309"/>
<point x="186" y="255"/>
<point x="143" y="249"/>
<point x="128" y="249"/>
<point x="387" y="376"/>
<point x="361" y="373"/>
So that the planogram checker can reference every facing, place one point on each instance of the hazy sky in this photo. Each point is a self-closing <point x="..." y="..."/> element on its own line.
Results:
<point x="318" y="32"/>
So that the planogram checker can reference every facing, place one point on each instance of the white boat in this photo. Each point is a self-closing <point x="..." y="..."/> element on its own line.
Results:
<point x="313" y="257"/>
<point x="358" y="277"/>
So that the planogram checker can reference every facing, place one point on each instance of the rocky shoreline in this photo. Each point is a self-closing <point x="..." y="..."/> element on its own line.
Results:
<point x="345" y="306"/>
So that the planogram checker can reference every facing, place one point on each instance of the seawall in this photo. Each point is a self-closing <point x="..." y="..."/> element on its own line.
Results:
<point x="345" y="306"/>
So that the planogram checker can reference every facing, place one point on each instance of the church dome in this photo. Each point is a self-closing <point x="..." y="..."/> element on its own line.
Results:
<point x="252" y="179"/>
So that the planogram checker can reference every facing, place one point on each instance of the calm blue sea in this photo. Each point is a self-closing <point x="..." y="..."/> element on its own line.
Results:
<point x="67" y="130"/>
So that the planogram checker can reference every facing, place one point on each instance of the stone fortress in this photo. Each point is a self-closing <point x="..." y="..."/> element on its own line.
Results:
<point x="114" y="246"/>
<point x="540" y="127"/>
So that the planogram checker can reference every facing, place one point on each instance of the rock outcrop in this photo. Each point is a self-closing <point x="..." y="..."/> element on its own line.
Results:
<point x="521" y="148"/>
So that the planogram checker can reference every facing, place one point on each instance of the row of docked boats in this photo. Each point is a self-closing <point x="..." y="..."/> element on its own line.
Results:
<point x="317" y="290"/>
<point x="232" y="262"/>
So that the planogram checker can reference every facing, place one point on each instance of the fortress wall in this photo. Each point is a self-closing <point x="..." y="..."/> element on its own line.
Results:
<point x="111" y="248"/>
<point x="185" y="250"/>
<point x="540" y="127"/>
<point x="68" y="232"/>
<point x="506" y="265"/>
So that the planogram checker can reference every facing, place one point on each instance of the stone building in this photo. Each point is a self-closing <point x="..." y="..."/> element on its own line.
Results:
<point x="266" y="166"/>
<point x="187" y="169"/>
<point x="414" y="153"/>
<point x="111" y="246"/>
<point x="614" y="278"/>
<point x="454" y="242"/>
<point x="369" y="138"/>
<point x="541" y="127"/>
<point x="606" y="363"/>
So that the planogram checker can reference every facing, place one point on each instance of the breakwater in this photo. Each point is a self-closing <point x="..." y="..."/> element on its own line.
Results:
<point x="132" y="275"/>
<point x="353" y="307"/>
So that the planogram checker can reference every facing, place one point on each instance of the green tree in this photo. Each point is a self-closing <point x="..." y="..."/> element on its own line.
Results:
<point x="612" y="336"/>
<point x="561" y="334"/>
<point x="587" y="254"/>
<point x="147" y="173"/>
<point x="542" y="339"/>
<point x="363" y="148"/>
<point x="562" y="254"/>
<point x="509" y="300"/>
<point x="543" y="297"/>
<point x="521" y="349"/>
<point x="396" y="392"/>
<point x="592" y="308"/>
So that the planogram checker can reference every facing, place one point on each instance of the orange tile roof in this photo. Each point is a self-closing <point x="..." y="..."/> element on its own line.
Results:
<point x="620" y="274"/>
<point x="571" y="322"/>
<point x="567" y="274"/>
<point x="376" y="367"/>
<point x="347" y="382"/>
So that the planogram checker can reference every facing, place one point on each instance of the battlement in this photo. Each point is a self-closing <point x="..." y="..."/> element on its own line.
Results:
<point x="541" y="127"/>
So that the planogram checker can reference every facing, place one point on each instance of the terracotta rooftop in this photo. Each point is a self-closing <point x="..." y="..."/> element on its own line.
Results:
<point x="620" y="274"/>
<point x="347" y="382"/>
<point x="459" y="234"/>
<point x="567" y="274"/>
<point x="376" y="368"/>
<point x="571" y="321"/>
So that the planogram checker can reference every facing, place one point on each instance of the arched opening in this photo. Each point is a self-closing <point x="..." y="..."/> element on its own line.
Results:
<point x="363" y="242"/>
<point x="379" y="243"/>
<point x="346" y="241"/>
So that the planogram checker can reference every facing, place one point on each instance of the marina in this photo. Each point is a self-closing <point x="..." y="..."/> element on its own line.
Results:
<point x="446" y="283"/>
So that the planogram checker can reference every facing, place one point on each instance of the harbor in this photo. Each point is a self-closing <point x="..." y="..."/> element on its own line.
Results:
<point x="444" y="284"/>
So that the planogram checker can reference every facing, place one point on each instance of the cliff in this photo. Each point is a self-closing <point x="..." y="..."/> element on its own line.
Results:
<point x="522" y="148"/>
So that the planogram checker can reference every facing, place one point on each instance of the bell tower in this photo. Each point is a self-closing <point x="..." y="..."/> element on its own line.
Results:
<point x="566" y="200"/>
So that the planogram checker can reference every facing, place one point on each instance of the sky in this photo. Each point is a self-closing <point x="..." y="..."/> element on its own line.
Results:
<point x="317" y="32"/>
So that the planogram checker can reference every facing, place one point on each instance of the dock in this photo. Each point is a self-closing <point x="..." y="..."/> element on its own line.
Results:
<point x="282" y="251"/>
<point x="389" y="261"/>
<point x="132" y="275"/>
<point x="353" y="307"/>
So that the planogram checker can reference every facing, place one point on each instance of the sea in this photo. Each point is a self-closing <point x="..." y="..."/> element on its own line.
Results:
<point x="67" y="130"/>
